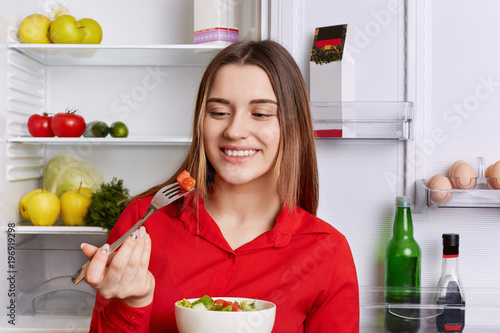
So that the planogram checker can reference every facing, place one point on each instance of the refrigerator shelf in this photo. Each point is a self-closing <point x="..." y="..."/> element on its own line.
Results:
<point x="131" y="140"/>
<point x="481" y="308"/>
<point x="384" y="120"/>
<point x="479" y="197"/>
<point x="57" y="230"/>
<point x="118" y="55"/>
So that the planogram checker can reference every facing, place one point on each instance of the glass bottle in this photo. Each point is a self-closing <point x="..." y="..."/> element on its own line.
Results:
<point x="402" y="273"/>
<point x="450" y="290"/>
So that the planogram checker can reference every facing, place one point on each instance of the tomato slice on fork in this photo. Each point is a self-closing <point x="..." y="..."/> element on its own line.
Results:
<point x="185" y="181"/>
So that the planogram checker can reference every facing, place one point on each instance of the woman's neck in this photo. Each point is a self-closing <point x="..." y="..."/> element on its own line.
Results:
<point x="243" y="212"/>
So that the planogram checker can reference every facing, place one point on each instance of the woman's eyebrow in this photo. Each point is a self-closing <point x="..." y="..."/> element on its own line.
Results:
<point x="218" y="100"/>
<point x="263" y="101"/>
<point x="253" y="101"/>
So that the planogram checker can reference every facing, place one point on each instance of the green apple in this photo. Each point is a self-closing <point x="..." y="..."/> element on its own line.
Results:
<point x="64" y="30"/>
<point x="74" y="206"/>
<point x="92" y="31"/>
<point x="44" y="208"/>
<point x="35" y="29"/>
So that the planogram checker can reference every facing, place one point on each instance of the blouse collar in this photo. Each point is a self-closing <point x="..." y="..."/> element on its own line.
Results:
<point x="198" y="222"/>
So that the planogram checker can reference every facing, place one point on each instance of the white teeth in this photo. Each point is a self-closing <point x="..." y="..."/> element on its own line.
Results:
<point x="239" y="153"/>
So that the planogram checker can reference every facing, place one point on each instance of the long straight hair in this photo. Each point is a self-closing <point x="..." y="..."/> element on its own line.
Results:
<point x="296" y="166"/>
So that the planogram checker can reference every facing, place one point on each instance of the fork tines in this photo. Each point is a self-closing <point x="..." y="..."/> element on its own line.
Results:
<point x="171" y="189"/>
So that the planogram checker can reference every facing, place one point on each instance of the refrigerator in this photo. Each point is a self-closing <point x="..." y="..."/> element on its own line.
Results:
<point x="427" y="80"/>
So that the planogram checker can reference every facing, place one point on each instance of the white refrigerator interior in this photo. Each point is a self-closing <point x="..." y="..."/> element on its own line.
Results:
<point x="437" y="61"/>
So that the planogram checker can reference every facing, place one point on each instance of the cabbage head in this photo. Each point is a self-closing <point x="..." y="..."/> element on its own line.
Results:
<point x="65" y="172"/>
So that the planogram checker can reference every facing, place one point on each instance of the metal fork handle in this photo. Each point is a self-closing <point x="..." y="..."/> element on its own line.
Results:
<point x="80" y="274"/>
<point x="136" y="226"/>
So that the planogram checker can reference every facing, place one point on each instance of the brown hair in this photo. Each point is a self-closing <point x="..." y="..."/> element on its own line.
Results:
<point x="296" y="165"/>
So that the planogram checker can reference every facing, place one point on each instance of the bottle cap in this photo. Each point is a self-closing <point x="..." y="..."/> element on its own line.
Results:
<point x="403" y="201"/>
<point x="451" y="239"/>
<point x="450" y="244"/>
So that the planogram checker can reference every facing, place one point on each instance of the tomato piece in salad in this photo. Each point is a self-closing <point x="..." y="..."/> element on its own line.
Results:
<point x="185" y="181"/>
<point x="235" y="307"/>
<point x="207" y="303"/>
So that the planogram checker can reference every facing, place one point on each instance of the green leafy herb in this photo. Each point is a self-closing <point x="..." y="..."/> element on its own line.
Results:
<point x="107" y="204"/>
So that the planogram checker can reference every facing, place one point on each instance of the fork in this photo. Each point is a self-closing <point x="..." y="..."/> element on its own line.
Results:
<point x="166" y="195"/>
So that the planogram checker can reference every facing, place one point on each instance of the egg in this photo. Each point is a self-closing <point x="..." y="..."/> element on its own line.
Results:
<point x="453" y="166"/>
<point x="493" y="173"/>
<point x="462" y="175"/>
<point x="440" y="182"/>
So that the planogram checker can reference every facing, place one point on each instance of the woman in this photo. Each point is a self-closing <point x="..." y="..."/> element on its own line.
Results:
<point x="250" y="228"/>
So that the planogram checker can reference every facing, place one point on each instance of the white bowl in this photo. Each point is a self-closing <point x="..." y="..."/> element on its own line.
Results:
<point x="200" y="321"/>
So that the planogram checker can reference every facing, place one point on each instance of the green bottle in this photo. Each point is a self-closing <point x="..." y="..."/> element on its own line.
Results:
<point x="402" y="274"/>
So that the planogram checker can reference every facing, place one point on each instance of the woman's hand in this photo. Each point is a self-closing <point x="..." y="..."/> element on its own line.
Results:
<point x="123" y="274"/>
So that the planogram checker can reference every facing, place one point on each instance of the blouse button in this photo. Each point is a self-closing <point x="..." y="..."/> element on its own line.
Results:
<point x="132" y="316"/>
<point x="131" y="328"/>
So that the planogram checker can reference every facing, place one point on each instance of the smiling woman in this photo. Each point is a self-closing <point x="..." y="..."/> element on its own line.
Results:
<point x="250" y="228"/>
<point x="241" y="127"/>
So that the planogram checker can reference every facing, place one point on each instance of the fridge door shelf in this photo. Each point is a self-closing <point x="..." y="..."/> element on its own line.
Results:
<point x="118" y="55"/>
<point x="131" y="140"/>
<point x="362" y="120"/>
<point x="479" y="197"/>
<point x="481" y="308"/>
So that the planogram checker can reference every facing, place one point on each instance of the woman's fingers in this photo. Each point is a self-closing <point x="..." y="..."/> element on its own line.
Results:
<point x="124" y="273"/>
<point x="146" y="254"/>
<point x="97" y="266"/>
<point x="88" y="250"/>
<point x="135" y="258"/>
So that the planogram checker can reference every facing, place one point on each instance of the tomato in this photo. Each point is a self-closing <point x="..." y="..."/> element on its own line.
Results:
<point x="183" y="175"/>
<point x="219" y="302"/>
<point x="188" y="184"/>
<point x="68" y="124"/>
<point x="185" y="181"/>
<point x="39" y="126"/>
<point x="226" y="303"/>
<point x="236" y="308"/>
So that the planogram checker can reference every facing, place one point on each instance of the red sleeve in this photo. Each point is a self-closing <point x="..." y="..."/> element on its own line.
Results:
<point x="114" y="315"/>
<point x="338" y="310"/>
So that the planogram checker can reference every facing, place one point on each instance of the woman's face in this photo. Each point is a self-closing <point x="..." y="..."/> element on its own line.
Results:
<point x="241" y="127"/>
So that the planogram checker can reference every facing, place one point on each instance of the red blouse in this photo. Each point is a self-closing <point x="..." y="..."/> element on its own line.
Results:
<point x="303" y="265"/>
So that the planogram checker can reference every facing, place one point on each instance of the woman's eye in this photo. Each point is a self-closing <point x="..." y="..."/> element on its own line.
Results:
<point x="218" y="114"/>
<point x="262" y="115"/>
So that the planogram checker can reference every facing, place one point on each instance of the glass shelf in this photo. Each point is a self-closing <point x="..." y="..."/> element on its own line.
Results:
<point x="362" y="120"/>
<point x="25" y="227"/>
<point x="131" y="140"/>
<point x="482" y="306"/>
<point x="357" y="121"/>
<point x="478" y="197"/>
<point x="119" y="55"/>
<point x="57" y="230"/>
<point x="482" y="195"/>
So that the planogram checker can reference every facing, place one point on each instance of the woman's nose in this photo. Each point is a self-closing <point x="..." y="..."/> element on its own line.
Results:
<point x="237" y="128"/>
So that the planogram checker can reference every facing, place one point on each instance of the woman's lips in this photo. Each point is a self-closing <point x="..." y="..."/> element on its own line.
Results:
<point x="239" y="152"/>
<point x="238" y="155"/>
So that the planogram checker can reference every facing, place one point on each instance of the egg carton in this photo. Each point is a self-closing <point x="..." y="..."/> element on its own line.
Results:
<point x="465" y="188"/>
